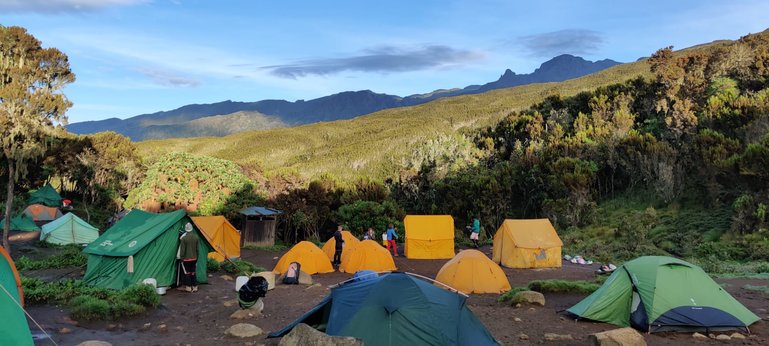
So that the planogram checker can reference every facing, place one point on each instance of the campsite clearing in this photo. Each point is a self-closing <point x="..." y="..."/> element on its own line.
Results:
<point x="201" y="318"/>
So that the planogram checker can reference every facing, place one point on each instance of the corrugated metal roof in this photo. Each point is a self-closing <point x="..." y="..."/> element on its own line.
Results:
<point x="260" y="211"/>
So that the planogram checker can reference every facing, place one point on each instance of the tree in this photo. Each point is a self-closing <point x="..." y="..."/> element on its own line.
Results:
<point x="31" y="102"/>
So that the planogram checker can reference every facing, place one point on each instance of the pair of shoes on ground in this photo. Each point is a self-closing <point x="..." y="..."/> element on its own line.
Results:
<point x="187" y="288"/>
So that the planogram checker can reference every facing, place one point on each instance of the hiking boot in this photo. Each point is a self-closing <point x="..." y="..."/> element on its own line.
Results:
<point x="188" y="289"/>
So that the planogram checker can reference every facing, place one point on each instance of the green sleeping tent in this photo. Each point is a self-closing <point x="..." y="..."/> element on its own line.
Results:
<point x="45" y="195"/>
<point x="142" y="245"/>
<point x="14" y="330"/>
<point x="658" y="294"/>
<point x="22" y="223"/>
<point x="69" y="229"/>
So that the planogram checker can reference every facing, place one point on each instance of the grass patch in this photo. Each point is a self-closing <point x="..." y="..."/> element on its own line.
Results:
<point x="762" y="289"/>
<point x="70" y="256"/>
<point x="509" y="294"/>
<point x="88" y="302"/>
<point x="563" y="286"/>
<point x="273" y="248"/>
<point x="235" y="267"/>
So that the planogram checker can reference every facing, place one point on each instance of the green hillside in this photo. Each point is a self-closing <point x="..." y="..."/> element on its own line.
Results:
<point x="216" y="125"/>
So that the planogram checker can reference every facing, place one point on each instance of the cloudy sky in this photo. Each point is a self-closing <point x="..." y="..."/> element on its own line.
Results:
<point x="142" y="56"/>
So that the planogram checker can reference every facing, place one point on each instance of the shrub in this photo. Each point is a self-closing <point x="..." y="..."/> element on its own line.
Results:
<point x="213" y="265"/>
<point x="70" y="256"/>
<point x="90" y="308"/>
<point x="143" y="295"/>
<point x="509" y="294"/>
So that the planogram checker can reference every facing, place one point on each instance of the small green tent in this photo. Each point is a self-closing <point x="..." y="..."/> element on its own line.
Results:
<point x="658" y="294"/>
<point x="69" y="229"/>
<point x="14" y="330"/>
<point x="396" y="309"/>
<point x="141" y="245"/>
<point x="45" y="195"/>
<point x="22" y="223"/>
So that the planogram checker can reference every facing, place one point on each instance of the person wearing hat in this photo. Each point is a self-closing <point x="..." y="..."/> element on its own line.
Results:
<point x="188" y="257"/>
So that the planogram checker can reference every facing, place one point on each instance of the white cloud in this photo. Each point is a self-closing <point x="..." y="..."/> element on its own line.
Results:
<point x="59" y="6"/>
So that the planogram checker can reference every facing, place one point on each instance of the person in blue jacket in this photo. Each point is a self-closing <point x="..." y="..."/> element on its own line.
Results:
<point x="391" y="236"/>
<point x="476" y="231"/>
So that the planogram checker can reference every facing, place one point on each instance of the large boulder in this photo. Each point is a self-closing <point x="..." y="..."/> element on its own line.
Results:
<point x="530" y="297"/>
<point x="243" y="330"/>
<point x="269" y="276"/>
<point x="304" y="278"/>
<point x="618" y="337"/>
<point x="304" y="335"/>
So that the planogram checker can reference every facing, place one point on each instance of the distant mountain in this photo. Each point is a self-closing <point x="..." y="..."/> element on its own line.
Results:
<point x="344" y="105"/>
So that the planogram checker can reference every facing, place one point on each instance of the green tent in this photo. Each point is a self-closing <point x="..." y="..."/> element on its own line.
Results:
<point x="22" y="223"/>
<point x="69" y="229"/>
<point x="396" y="309"/>
<point x="45" y="195"/>
<point x="658" y="293"/>
<point x="141" y="245"/>
<point x="14" y="330"/>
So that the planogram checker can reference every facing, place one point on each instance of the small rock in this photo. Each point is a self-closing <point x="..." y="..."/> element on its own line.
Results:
<point x="530" y="297"/>
<point x="723" y="337"/>
<point x="712" y="336"/>
<point x="304" y="278"/>
<point x="162" y="328"/>
<point x="248" y="343"/>
<point x="303" y="334"/>
<point x="518" y="305"/>
<point x="562" y="318"/>
<point x="68" y="320"/>
<point x="314" y="285"/>
<point x="557" y="337"/>
<point x="94" y="343"/>
<point x="532" y="309"/>
<point x="65" y="330"/>
<point x="111" y="327"/>
<point x="523" y="337"/>
<point x="146" y="326"/>
<point x="226" y="277"/>
<point x="255" y="310"/>
<point x="622" y="336"/>
<point x="737" y="336"/>
<point x="230" y="303"/>
<point x="179" y="328"/>
<point x="243" y="330"/>
<point x="699" y="336"/>
<point x="517" y="319"/>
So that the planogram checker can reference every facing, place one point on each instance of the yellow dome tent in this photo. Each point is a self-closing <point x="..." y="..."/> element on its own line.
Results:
<point x="349" y="242"/>
<point x="429" y="236"/>
<point x="221" y="234"/>
<point x="470" y="271"/>
<point x="366" y="255"/>
<point x="310" y="257"/>
<point x="531" y="243"/>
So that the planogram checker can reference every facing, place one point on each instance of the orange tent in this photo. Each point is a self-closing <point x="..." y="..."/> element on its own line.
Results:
<point x="221" y="234"/>
<point x="310" y="257"/>
<point x="41" y="213"/>
<point x="532" y="243"/>
<point x="429" y="236"/>
<point x="349" y="242"/>
<point x="470" y="271"/>
<point x="366" y="255"/>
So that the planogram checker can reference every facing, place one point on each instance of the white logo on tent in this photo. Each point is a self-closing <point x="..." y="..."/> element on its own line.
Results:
<point x="132" y="244"/>
<point x="693" y="302"/>
<point x="106" y="243"/>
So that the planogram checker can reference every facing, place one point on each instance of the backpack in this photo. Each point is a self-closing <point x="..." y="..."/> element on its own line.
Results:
<point x="255" y="288"/>
<point x="292" y="274"/>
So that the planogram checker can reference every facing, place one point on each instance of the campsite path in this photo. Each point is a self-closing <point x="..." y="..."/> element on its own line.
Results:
<point x="201" y="318"/>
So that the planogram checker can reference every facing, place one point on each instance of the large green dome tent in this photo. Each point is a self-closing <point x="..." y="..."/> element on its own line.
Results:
<point x="46" y="196"/>
<point x="396" y="309"/>
<point x="14" y="330"/>
<point x="658" y="294"/>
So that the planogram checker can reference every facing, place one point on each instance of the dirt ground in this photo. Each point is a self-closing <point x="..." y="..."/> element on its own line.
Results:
<point x="200" y="318"/>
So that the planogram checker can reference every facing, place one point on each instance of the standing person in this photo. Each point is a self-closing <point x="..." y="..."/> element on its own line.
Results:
<point x="476" y="230"/>
<point x="188" y="256"/>
<point x="338" y="246"/>
<point x="369" y="235"/>
<point x="391" y="236"/>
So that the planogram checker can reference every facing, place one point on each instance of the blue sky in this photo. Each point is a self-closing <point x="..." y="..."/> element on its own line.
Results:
<point x="141" y="56"/>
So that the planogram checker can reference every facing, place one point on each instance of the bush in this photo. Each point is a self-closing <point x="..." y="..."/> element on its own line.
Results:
<point x="509" y="294"/>
<point x="213" y="265"/>
<point x="90" y="308"/>
<point x="70" y="256"/>
<point x="142" y="295"/>
<point x="563" y="286"/>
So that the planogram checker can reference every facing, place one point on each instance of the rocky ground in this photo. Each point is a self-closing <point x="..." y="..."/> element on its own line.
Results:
<point x="201" y="318"/>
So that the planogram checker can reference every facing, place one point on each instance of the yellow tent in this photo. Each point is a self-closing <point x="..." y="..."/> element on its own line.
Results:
<point x="366" y="255"/>
<point x="429" y="236"/>
<point x="349" y="242"/>
<point x="470" y="271"/>
<point x="221" y="234"/>
<point x="527" y="244"/>
<point x="310" y="257"/>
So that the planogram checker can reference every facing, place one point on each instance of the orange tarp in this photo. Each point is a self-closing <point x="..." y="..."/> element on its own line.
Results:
<point x="470" y="271"/>
<point x="349" y="242"/>
<point x="310" y="257"/>
<point x="39" y="212"/>
<point x="429" y="236"/>
<point x="221" y="234"/>
<point x="532" y="243"/>
<point x="366" y="255"/>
